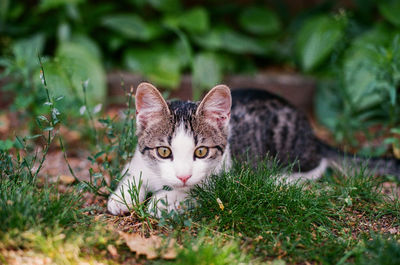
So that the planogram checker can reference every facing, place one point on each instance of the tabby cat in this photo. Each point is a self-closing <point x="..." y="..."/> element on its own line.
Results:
<point x="181" y="143"/>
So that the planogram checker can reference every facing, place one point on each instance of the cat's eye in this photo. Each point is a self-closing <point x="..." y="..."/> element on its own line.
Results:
<point x="201" y="152"/>
<point x="164" y="152"/>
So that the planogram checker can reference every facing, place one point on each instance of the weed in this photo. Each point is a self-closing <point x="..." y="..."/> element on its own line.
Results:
<point x="116" y="146"/>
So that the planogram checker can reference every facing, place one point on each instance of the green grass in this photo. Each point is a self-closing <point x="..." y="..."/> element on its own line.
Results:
<point x="36" y="216"/>
<point x="24" y="205"/>
<point x="208" y="248"/>
<point x="304" y="222"/>
<point x="380" y="250"/>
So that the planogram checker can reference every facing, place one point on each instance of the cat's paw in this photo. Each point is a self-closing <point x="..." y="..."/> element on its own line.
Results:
<point x="116" y="207"/>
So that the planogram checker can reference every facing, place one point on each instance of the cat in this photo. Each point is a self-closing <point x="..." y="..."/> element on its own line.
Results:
<point x="181" y="143"/>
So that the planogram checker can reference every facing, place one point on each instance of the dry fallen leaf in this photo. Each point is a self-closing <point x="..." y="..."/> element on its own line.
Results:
<point x="396" y="151"/>
<point x="113" y="251"/>
<point x="4" y="123"/>
<point x="221" y="205"/>
<point x="151" y="247"/>
<point x="67" y="179"/>
<point x="69" y="135"/>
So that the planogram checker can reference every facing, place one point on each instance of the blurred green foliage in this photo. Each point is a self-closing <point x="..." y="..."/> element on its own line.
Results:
<point x="353" y="51"/>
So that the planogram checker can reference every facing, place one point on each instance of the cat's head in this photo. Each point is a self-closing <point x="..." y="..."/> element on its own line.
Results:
<point x="182" y="142"/>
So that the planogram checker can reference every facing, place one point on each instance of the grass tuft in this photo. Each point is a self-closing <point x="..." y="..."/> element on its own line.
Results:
<point x="302" y="222"/>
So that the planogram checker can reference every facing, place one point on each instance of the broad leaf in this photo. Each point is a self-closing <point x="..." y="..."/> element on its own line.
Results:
<point x="195" y="20"/>
<point x="361" y="68"/>
<point x="168" y="6"/>
<point x="226" y="39"/>
<point x="259" y="20"/>
<point x="207" y="72"/>
<point x="26" y="51"/>
<point x="161" y="65"/>
<point x="78" y="64"/>
<point x="390" y="9"/>
<point x="59" y="84"/>
<point x="50" y="4"/>
<point x="316" y="40"/>
<point x="132" y="27"/>
<point x="4" y="5"/>
<point x="90" y="45"/>
<point x="328" y="105"/>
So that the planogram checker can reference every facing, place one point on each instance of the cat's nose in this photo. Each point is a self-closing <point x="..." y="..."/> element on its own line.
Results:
<point x="184" y="178"/>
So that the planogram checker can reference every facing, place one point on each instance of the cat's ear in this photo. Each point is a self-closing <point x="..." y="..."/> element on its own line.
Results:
<point x="150" y="105"/>
<point x="216" y="106"/>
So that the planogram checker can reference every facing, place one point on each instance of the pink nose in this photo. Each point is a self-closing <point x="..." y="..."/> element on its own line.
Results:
<point x="184" y="178"/>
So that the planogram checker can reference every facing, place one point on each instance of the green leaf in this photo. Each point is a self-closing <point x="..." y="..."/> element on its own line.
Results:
<point x="6" y="145"/>
<point x="74" y="64"/>
<point x="64" y="32"/>
<point x="195" y="20"/>
<point x="80" y="65"/>
<point x="317" y="39"/>
<point x="97" y="155"/>
<point x="23" y="101"/>
<point x="132" y="27"/>
<point x="168" y="6"/>
<point x="390" y="10"/>
<point x="361" y="69"/>
<point x="226" y="39"/>
<point x="4" y="5"/>
<point x="327" y="105"/>
<point x="31" y="137"/>
<point x="259" y="20"/>
<point x="207" y="72"/>
<point x="395" y="131"/>
<point x="43" y="118"/>
<point x="26" y="52"/>
<point x="90" y="45"/>
<point x="182" y="49"/>
<point x="166" y="73"/>
<point x="51" y="4"/>
<point x="160" y="64"/>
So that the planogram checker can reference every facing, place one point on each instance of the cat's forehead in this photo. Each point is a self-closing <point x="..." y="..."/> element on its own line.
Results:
<point x="182" y="110"/>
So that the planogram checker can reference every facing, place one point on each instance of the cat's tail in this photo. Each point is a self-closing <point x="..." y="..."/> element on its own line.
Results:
<point x="379" y="165"/>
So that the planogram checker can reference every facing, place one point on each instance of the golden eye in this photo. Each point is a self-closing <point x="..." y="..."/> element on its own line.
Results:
<point x="201" y="152"/>
<point x="164" y="152"/>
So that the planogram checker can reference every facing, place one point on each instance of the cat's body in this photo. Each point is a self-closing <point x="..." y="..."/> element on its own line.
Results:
<point x="181" y="143"/>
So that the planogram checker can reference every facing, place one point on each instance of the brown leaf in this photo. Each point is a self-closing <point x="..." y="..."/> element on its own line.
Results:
<point x="396" y="151"/>
<point x="151" y="247"/>
<point x="70" y="135"/>
<point x="4" y="123"/>
<point x="113" y="251"/>
<point x="67" y="179"/>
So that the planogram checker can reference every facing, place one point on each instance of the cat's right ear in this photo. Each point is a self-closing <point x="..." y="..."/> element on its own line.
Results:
<point x="216" y="106"/>
<point x="150" y="105"/>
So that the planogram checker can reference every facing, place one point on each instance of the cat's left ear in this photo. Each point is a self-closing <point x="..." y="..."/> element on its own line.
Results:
<point x="216" y="106"/>
<point x="150" y="106"/>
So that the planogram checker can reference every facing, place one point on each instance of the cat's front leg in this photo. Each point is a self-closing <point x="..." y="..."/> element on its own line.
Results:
<point x="131" y="190"/>
<point x="167" y="201"/>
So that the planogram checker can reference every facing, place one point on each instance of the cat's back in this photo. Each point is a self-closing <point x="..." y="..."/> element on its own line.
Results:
<point x="263" y="123"/>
